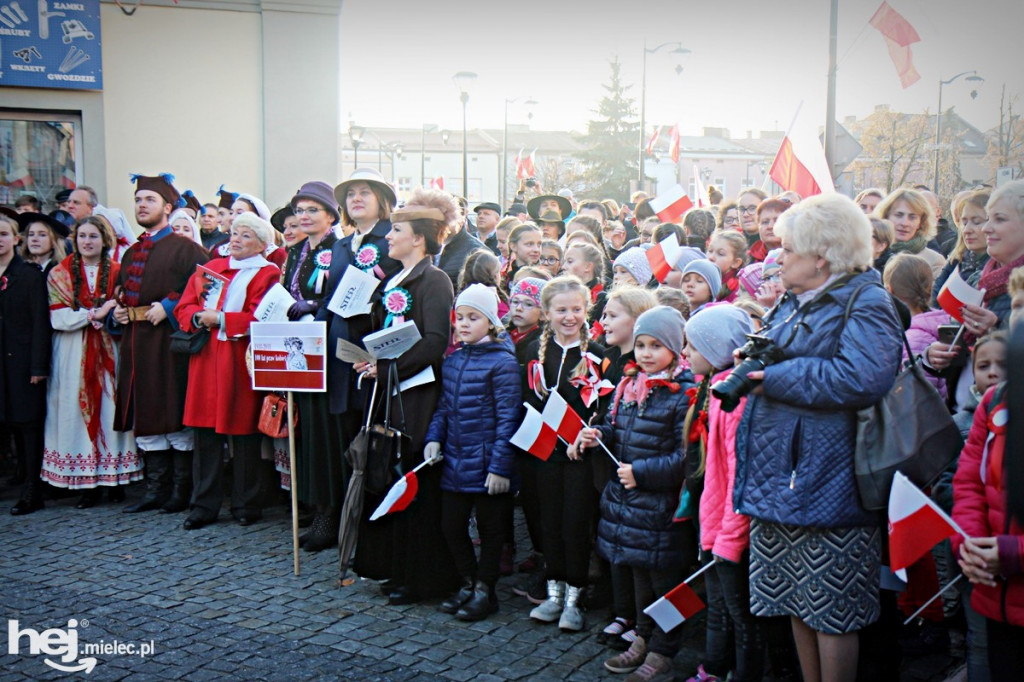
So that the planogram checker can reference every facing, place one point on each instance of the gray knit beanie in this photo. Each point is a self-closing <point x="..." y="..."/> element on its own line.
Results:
<point x="716" y="331"/>
<point x="664" y="324"/>
<point x="635" y="260"/>
<point x="709" y="271"/>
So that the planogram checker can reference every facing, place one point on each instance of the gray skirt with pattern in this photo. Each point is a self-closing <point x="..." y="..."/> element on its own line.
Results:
<point x="826" y="577"/>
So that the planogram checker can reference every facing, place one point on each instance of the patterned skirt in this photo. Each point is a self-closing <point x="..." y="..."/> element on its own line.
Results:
<point x="826" y="577"/>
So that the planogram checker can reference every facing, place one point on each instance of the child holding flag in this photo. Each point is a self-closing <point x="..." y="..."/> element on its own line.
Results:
<point x="644" y="430"/>
<point x="477" y="414"/>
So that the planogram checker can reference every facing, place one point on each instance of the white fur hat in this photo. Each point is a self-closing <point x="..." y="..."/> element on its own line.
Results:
<point x="482" y="298"/>
<point x="263" y="230"/>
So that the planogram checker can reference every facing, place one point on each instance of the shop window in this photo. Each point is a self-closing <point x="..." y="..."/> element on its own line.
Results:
<point x="40" y="154"/>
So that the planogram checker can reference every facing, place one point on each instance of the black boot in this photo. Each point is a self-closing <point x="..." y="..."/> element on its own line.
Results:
<point x="89" y="498"/>
<point x="483" y="603"/>
<point x="181" y="479"/>
<point x="31" y="499"/>
<point x="324" y="531"/>
<point x="158" y="482"/>
<point x="456" y="601"/>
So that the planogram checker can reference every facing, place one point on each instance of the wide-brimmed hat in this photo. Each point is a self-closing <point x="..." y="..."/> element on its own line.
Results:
<point x="371" y="177"/>
<point x="59" y="228"/>
<point x="277" y="220"/>
<point x="321" y="193"/>
<point x="553" y="218"/>
<point x="533" y="205"/>
<point x="10" y="213"/>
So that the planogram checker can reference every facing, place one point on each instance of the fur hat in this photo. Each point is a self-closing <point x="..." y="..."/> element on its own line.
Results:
<point x="482" y="298"/>
<point x="529" y="287"/>
<point x="263" y="230"/>
<point x="717" y="331"/>
<point x="664" y="324"/>
<point x="161" y="184"/>
<point x="634" y="259"/>
<point x="709" y="272"/>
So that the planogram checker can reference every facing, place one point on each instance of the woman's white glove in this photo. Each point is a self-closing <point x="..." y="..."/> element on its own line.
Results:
<point x="496" y="485"/>
<point x="432" y="453"/>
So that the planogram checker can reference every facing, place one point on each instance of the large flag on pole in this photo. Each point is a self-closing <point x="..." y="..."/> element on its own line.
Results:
<point x="654" y="138"/>
<point x="916" y="524"/>
<point x="670" y="205"/>
<point x="800" y="165"/>
<point x="899" y="36"/>
<point x="534" y="435"/>
<point x="673" y="147"/>
<point x="956" y="293"/>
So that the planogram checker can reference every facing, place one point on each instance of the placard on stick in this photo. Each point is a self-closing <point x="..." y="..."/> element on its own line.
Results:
<point x="289" y="356"/>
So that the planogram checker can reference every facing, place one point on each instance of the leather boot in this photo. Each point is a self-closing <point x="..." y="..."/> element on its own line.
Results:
<point x="483" y="603"/>
<point x="456" y="601"/>
<point x="158" y="482"/>
<point x="181" y="479"/>
<point x="324" y="531"/>
<point x="31" y="498"/>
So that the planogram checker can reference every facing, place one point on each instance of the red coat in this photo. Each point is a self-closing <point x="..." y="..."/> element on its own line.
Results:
<point x="979" y="506"/>
<point x="220" y="394"/>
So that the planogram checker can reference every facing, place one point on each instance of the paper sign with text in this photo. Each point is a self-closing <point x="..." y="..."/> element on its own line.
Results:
<point x="289" y="356"/>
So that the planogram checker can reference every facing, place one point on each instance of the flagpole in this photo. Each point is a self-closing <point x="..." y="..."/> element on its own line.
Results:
<point x="603" y="447"/>
<point x="938" y="594"/>
<point x="701" y="570"/>
<point x="294" y="471"/>
<point x="830" y="104"/>
<point x="959" y="333"/>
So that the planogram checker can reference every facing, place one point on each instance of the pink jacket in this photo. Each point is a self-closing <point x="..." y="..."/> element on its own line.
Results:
<point x="979" y="507"/>
<point x="924" y="331"/>
<point x="723" y="531"/>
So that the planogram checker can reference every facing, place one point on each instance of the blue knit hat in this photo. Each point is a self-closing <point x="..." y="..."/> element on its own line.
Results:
<point x="709" y="271"/>
<point x="716" y="331"/>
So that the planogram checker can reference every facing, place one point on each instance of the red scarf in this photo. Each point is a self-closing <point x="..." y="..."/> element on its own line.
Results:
<point x="518" y="336"/>
<point x="595" y="291"/>
<point x="758" y="252"/>
<point x="995" y="277"/>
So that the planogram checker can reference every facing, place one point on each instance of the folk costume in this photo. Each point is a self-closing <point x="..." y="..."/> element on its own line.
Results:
<point x="82" y="449"/>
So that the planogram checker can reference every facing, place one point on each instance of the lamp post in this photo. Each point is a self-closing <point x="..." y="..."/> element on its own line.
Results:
<point x="355" y="133"/>
<point x="504" y="145"/>
<point x="971" y="76"/>
<point x="462" y="79"/>
<point x="643" y="102"/>
<point x="427" y="128"/>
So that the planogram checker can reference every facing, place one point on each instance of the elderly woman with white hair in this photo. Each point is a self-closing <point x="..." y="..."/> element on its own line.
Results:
<point x="219" y="404"/>
<point x="815" y="551"/>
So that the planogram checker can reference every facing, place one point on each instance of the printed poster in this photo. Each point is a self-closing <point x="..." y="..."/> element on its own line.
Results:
<point x="289" y="356"/>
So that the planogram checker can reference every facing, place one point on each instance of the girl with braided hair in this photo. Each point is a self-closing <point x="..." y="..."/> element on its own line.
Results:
<point x="82" y="451"/>
<point x="564" y="360"/>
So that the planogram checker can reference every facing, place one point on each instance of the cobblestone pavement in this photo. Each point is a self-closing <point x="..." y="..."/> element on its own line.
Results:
<point x="222" y="603"/>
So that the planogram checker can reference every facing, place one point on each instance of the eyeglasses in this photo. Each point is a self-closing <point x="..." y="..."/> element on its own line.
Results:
<point x="546" y="260"/>
<point x="311" y="212"/>
<point x="747" y="209"/>
<point x="524" y="303"/>
<point x="731" y="220"/>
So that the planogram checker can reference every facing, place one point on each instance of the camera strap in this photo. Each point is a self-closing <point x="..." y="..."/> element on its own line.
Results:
<point x="805" y="309"/>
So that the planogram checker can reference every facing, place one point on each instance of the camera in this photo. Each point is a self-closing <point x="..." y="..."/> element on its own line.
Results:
<point x="757" y="353"/>
<point x="531" y="182"/>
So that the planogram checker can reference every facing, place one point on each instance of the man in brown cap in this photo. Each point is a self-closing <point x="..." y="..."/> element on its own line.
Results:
<point x="150" y="379"/>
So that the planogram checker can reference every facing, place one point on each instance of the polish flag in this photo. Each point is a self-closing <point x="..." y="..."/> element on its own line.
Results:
<point x="700" y="189"/>
<point x="663" y="256"/>
<point x="534" y="435"/>
<point x="563" y="419"/>
<point x="800" y="164"/>
<point x="437" y="183"/>
<point x="401" y="495"/>
<point x="529" y="165"/>
<point x="518" y="160"/>
<point x="916" y="524"/>
<point x="67" y="178"/>
<point x="673" y="147"/>
<point x="956" y="293"/>
<point x="675" y="607"/>
<point x="20" y="177"/>
<point x="653" y="140"/>
<point x="899" y="36"/>
<point x="672" y="204"/>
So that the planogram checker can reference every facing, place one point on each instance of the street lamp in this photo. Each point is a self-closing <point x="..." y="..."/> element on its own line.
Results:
<point x="427" y="128"/>
<point x="971" y="76"/>
<point x="355" y="133"/>
<point x="680" y="50"/>
<point x="504" y="144"/>
<point x="462" y="79"/>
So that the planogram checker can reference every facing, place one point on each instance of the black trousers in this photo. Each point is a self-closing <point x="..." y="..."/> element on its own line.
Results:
<point x="566" y="492"/>
<point x="529" y="497"/>
<point x="728" y="592"/>
<point x="492" y="519"/>
<point x="650" y="584"/>
<point x="1005" y="651"/>
<point x="28" y="442"/>
<point x="623" y="593"/>
<point x="208" y="473"/>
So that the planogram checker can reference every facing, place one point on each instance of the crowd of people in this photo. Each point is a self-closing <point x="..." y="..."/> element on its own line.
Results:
<point x="125" y="360"/>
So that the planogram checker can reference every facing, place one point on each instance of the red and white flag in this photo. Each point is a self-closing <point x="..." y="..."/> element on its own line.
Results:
<point x="698" y="188"/>
<point x="956" y="293"/>
<point x="654" y="138"/>
<point x="663" y="256"/>
<point x="534" y="435"/>
<point x="518" y="161"/>
<point x="563" y="419"/>
<point x="899" y="36"/>
<point x="675" y="607"/>
<point x="530" y="165"/>
<point x="673" y="147"/>
<point x="437" y="183"/>
<point x="670" y="205"/>
<point x="401" y="495"/>
<point x="800" y="165"/>
<point x="916" y="524"/>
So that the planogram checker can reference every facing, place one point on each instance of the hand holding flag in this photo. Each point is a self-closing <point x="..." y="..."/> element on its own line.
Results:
<point x="916" y="524"/>
<point x="956" y="293"/>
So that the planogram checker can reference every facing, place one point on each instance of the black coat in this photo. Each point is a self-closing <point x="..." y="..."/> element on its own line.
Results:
<point x="341" y="380"/>
<point x="25" y="338"/>
<point x="456" y="251"/>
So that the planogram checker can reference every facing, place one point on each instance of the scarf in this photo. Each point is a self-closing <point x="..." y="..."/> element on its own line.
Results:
<point x="994" y="277"/>
<point x="913" y="245"/>
<point x="137" y="266"/>
<point x="636" y="389"/>
<point x="518" y="336"/>
<point x="234" y="296"/>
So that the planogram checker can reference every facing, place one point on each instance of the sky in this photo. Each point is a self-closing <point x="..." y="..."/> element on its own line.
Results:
<point x="751" y="63"/>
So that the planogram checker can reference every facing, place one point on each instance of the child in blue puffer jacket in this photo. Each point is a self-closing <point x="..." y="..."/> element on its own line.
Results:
<point x="479" y="410"/>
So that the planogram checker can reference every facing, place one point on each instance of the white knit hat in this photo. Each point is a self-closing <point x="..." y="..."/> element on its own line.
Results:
<point x="634" y="259"/>
<point x="482" y="298"/>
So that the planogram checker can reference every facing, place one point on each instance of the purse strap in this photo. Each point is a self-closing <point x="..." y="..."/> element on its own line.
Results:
<point x="849" y="311"/>
<point x="394" y="387"/>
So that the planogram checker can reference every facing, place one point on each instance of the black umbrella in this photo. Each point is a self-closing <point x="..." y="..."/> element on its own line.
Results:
<point x="352" y="509"/>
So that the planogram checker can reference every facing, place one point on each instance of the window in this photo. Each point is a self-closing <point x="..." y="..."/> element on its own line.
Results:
<point x="40" y="154"/>
<point x="404" y="185"/>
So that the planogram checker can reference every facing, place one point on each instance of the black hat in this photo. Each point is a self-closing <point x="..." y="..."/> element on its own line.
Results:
<point x="488" y="206"/>
<point x="533" y="205"/>
<point x="277" y="220"/>
<point x="63" y="196"/>
<point x="59" y="228"/>
<point x="64" y="217"/>
<point x="10" y="213"/>
<point x="516" y="209"/>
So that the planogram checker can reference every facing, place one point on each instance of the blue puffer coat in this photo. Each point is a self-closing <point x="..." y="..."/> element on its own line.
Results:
<point x="795" y="442"/>
<point x="479" y="410"/>
<point x="636" y="527"/>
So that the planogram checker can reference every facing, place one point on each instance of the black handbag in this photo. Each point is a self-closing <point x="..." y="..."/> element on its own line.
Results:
<point x="189" y="342"/>
<point x="909" y="430"/>
<point x="384" y="440"/>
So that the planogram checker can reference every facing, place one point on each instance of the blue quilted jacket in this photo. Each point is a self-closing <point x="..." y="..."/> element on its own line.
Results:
<point x="479" y="410"/>
<point x="636" y="527"/>
<point x="795" y="442"/>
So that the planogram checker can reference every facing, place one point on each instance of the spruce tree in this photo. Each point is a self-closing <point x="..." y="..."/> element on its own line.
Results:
<point x="611" y="141"/>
